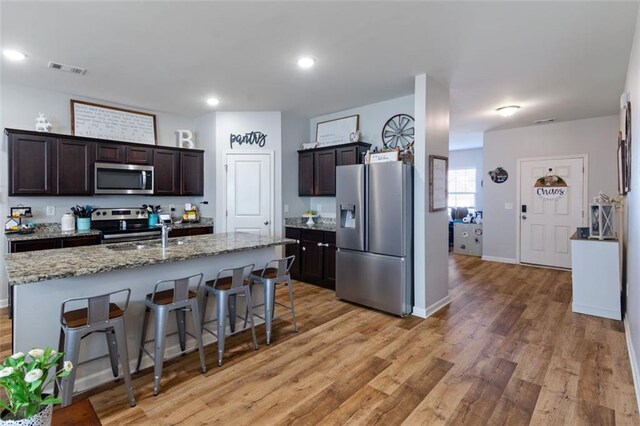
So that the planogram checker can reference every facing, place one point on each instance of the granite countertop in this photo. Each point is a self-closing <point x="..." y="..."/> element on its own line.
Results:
<point x="50" y="230"/>
<point x="29" y="267"/>
<point x="321" y="223"/>
<point x="44" y="231"/>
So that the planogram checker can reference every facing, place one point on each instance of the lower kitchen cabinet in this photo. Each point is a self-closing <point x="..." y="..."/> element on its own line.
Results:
<point x="315" y="256"/>
<point x="53" y="243"/>
<point x="190" y="232"/>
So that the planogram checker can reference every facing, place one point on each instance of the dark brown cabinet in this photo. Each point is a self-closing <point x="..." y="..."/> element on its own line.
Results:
<point x="191" y="173"/>
<point x="190" y="232"/>
<point x="74" y="167"/>
<point x="53" y="243"/>
<point x="109" y="153"/>
<point x="138" y="155"/>
<point x="30" y="164"/>
<point x="317" y="167"/>
<point x="315" y="256"/>
<point x="166" y="172"/>
<point x="324" y="172"/>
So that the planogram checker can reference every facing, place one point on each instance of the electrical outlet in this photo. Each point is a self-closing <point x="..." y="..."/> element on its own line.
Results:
<point x="51" y="210"/>
<point x="286" y="208"/>
<point x="508" y="206"/>
<point x="172" y="207"/>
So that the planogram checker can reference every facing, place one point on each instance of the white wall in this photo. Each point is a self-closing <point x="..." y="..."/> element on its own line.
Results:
<point x="431" y="238"/>
<point x="468" y="159"/>
<point x="228" y="123"/>
<point x="372" y="118"/>
<point x="632" y="316"/>
<point x="295" y="130"/>
<point x="596" y="137"/>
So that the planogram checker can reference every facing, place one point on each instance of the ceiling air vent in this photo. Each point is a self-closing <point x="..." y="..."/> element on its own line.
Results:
<point x="545" y="121"/>
<point x="67" y="68"/>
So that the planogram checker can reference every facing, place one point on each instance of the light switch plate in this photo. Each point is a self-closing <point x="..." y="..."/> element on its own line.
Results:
<point x="508" y="206"/>
<point x="286" y="208"/>
<point x="51" y="210"/>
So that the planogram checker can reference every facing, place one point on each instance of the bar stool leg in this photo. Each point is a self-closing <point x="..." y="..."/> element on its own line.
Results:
<point x="204" y="307"/>
<point x="180" y="318"/>
<point x="143" y="337"/>
<point x="269" y="297"/>
<point x="221" y="313"/>
<point x="198" y="333"/>
<point x="249" y="303"/>
<point x="71" y="353"/>
<point x="162" y="316"/>
<point x="121" y="350"/>
<point x="56" y="383"/>
<point x="232" y="312"/>
<point x="293" y="312"/>
<point x="113" y="351"/>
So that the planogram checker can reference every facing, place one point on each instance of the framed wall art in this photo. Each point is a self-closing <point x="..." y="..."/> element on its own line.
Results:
<point x="337" y="131"/>
<point x="107" y="122"/>
<point x="438" y="169"/>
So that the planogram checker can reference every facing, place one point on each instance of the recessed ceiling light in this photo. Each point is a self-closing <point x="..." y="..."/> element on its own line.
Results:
<point x="544" y="121"/>
<point x="507" y="111"/>
<point x="213" y="101"/>
<point x="14" y="55"/>
<point x="306" y="62"/>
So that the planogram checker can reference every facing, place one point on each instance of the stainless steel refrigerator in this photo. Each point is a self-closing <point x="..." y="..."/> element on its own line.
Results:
<point x="374" y="235"/>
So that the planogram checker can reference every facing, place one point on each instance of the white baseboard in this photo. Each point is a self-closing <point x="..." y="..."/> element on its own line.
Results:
<point x="4" y="303"/>
<point x="498" y="259"/>
<point x="432" y="309"/>
<point x="598" y="312"/>
<point x="633" y="360"/>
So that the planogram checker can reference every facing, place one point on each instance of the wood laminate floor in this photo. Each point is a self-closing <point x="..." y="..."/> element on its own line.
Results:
<point x="507" y="350"/>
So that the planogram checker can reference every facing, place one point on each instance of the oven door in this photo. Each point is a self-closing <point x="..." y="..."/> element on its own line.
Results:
<point x="123" y="179"/>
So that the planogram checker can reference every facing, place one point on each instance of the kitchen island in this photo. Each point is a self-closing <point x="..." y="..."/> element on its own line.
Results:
<point x="41" y="281"/>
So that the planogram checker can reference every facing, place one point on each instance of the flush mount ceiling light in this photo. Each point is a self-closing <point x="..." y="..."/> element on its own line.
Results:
<point x="14" y="55"/>
<point x="306" y="62"/>
<point x="213" y="101"/>
<point x="507" y="111"/>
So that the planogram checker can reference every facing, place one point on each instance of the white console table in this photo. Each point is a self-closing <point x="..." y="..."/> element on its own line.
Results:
<point x="596" y="280"/>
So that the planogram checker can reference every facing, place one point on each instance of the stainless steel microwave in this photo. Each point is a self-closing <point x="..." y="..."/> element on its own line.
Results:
<point x="123" y="179"/>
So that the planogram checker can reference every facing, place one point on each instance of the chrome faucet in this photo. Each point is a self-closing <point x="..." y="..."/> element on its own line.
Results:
<point x="165" y="234"/>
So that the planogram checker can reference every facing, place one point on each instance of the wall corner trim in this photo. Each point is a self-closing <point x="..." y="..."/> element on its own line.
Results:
<point x="435" y="307"/>
<point x="498" y="259"/>
<point x="4" y="303"/>
<point x="633" y="360"/>
<point x="419" y="312"/>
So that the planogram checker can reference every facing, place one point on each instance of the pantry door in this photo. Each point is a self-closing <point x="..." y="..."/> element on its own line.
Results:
<point x="547" y="224"/>
<point x="250" y="183"/>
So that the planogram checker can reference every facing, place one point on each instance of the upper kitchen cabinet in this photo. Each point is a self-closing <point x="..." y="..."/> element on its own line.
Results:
<point x="317" y="167"/>
<point x="166" y="172"/>
<point x="191" y="173"/>
<point x="138" y="155"/>
<point x="109" y="153"/>
<point x="73" y="167"/>
<point x="30" y="164"/>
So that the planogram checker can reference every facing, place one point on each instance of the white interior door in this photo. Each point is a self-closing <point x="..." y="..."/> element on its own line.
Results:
<point x="547" y="225"/>
<point x="249" y="193"/>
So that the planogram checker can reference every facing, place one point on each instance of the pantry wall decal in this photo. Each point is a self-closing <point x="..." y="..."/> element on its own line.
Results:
<point x="550" y="186"/>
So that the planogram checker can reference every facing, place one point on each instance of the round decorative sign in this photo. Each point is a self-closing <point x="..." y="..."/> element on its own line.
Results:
<point x="550" y="187"/>
<point x="499" y="175"/>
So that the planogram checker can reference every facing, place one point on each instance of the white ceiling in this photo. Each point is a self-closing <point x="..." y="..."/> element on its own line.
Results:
<point x="566" y="60"/>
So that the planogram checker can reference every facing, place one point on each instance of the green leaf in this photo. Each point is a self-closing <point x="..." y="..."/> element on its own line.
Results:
<point x="35" y="385"/>
<point x="30" y="410"/>
<point x="50" y="400"/>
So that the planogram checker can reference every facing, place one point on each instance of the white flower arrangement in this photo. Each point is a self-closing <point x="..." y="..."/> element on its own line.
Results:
<point x="23" y="377"/>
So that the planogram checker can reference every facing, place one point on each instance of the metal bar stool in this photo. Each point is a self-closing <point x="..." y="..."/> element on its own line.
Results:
<point x="225" y="288"/>
<point x="179" y="299"/>
<point x="275" y="271"/>
<point x="100" y="315"/>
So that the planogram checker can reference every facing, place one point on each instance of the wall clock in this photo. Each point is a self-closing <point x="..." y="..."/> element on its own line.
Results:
<point x="398" y="131"/>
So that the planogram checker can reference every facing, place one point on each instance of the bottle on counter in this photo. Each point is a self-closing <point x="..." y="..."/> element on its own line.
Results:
<point x="68" y="222"/>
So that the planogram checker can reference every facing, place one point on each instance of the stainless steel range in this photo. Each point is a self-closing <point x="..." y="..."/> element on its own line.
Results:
<point x="123" y="224"/>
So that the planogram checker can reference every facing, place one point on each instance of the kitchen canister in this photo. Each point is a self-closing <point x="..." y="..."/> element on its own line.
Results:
<point x="68" y="222"/>
<point x="83" y="223"/>
<point x="153" y="219"/>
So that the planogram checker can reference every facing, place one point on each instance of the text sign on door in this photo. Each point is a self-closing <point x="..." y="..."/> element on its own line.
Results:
<point x="551" y="193"/>
<point x="249" y="138"/>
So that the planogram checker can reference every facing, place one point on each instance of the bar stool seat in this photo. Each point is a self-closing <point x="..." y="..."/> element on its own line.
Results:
<point x="269" y="277"/>
<point x="100" y="315"/>
<point x="178" y="299"/>
<point x="225" y="289"/>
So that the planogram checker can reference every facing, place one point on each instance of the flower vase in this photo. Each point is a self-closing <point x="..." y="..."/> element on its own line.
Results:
<point x="41" y="418"/>
<point x="83" y="223"/>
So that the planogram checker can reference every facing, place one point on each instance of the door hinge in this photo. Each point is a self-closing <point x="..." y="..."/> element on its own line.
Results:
<point x="226" y="213"/>
<point x="226" y="168"/>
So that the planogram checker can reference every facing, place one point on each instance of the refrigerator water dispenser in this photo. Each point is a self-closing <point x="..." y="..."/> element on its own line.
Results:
<point x="347" y="215"/>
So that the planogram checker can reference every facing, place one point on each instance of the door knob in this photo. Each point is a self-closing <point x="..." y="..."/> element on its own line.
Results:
<point x="524" y="216"/>
<point x="266" y="222"/>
